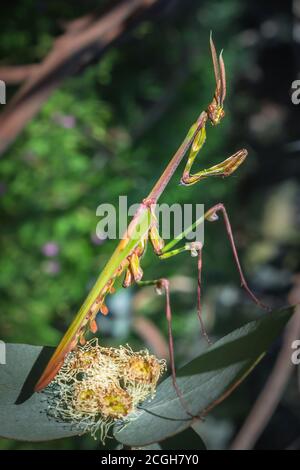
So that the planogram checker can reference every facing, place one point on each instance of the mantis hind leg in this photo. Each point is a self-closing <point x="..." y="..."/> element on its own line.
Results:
<point x="164" y="285"/>
<point x="212" y="215"/>
<point x="195" y="248"/>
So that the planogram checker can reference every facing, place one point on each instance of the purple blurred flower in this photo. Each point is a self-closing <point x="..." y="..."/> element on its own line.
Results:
<point x="65" y="120"/>
<point x="98" y="240"/>
<point x="50" y="249"/>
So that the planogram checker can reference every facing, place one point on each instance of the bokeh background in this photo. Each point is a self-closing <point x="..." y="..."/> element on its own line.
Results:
<point x="108" y="129"/>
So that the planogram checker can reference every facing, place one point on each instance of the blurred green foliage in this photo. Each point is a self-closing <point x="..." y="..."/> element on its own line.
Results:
<point x="81" y="151"/>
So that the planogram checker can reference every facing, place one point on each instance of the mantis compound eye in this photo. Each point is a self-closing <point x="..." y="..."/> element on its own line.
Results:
<point x="215" y="114"/>
<point x="219" y="115"/>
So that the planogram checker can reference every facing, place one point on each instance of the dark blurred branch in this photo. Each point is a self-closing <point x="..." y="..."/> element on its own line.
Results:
<point x="164" y="102"/>
<point x="70" y="53"/>
<point x="295" y="445"/>
<point x="271" y="394"/>
<point x="151" y="336"/>
<point x="158" y="109"/>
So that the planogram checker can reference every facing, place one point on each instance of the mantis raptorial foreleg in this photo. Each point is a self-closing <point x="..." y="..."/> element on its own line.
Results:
<point x="224" y="168"/>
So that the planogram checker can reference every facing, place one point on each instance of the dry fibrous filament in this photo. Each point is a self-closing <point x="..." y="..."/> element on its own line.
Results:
<point x="98" y="386"/>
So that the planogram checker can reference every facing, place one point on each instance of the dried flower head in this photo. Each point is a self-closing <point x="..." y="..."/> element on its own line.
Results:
<point x="144" y="370"/>
<point x="115" y="402"/>
<point x="98" y="386"/>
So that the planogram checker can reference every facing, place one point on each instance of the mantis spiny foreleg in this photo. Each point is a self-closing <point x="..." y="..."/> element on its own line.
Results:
<point x="225" y="168"/>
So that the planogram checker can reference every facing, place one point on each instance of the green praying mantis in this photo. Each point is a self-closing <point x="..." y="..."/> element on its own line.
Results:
<point x="143" y="228"/>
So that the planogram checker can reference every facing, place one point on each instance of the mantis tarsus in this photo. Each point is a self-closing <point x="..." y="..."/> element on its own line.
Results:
<point x="125" y="260"/>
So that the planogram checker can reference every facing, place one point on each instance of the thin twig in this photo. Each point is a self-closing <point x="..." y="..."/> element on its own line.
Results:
<point x="270" y="396"/>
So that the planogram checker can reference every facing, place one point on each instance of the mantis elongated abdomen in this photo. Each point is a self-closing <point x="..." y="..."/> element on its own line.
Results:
<point x="87" y="312"/>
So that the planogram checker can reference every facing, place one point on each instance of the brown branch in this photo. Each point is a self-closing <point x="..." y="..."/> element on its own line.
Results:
<point x="77" y="25"/>
<point x="69" y="54"/>
<point x="13" y="74"/>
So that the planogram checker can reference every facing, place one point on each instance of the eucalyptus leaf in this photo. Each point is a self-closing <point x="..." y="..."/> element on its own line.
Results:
<point x="204" y="382"/>
<point x="154" y="446"/>
<point x="187" y="439"/>
<point x="27" y="420"/>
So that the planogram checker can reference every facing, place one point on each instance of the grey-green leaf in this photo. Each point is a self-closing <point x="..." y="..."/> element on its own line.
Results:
<point x="26" y="421"/>
<point x="204" y="382"/>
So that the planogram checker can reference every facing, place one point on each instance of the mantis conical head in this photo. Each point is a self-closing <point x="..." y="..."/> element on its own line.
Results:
<point x="215" y="110"/>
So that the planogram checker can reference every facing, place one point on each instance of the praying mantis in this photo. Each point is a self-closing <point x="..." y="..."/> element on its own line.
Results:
<point x="126" y="259"/>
